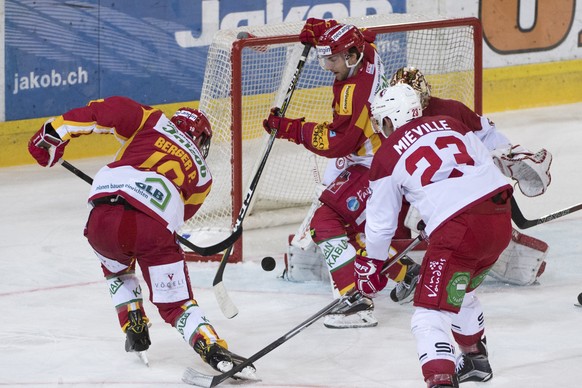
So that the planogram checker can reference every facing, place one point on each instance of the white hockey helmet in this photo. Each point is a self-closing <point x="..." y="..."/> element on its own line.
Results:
<point x="400" y="103"/>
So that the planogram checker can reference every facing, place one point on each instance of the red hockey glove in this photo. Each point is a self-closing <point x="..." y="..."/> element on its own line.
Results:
<point x="369" y="280"/>
<point x="46" y="146"/>
<point x="369" y="36"/>
<point x="313" y="29"/>
<point x="289" y="129"/>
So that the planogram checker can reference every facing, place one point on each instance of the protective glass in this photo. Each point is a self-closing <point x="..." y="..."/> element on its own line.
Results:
<point x="328" y="62"/>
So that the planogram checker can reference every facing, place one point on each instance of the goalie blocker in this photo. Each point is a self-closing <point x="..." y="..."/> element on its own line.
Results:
<point x="520" y="264"/>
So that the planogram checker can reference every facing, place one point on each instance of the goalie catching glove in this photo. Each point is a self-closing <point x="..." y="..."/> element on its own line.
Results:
<point x="530" y="170"/>
<point x="289" y="129"/>
<point x="46" y="146"/>
<point x="369" y="279"/>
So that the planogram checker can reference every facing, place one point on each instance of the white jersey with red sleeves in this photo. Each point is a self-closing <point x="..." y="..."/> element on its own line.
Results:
<point x="439" y="165"/>
<point x="483" y="127"/>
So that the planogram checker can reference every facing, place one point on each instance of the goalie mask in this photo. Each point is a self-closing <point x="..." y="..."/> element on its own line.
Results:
<point x="194" y="123"/>
<point x="400" y="103"/>
<point x="413" y="77"/>
<point x="337" y="41"/>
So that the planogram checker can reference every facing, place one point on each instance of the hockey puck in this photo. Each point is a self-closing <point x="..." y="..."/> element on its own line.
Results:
<point x="268" y="263"/>
<point x="580" y="298"/>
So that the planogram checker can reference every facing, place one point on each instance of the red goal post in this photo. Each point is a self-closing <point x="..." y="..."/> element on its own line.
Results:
<point x="244" y="78"/>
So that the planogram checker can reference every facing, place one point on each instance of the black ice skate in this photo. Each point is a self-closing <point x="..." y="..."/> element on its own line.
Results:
<point x="223" y="360"/>
<point x="137" y="336"/>
<point x="475" y="366"/>
<point x="404" y="290"/>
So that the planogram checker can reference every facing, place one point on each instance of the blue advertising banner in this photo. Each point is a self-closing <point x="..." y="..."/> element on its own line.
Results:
<point x="59" y="55"/>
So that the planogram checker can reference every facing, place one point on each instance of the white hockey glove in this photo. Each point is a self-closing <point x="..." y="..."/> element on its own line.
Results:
<point x="413" y="219"/>
<point x="530" y="170"/>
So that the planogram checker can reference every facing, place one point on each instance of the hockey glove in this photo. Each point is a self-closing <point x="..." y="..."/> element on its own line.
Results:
<point x="369" y="279"/>
<point x="289" y="129"/>
<point x="313" y="29"/>
<point x="46" y="146"/>
<point x="530" y="170"/>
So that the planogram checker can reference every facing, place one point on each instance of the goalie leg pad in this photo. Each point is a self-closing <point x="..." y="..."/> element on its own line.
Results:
<point x="522" y="262"/>
<point x="305" y="264"/>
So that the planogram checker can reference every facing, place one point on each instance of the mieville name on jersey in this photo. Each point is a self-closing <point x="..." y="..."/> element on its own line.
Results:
<point x="409" y="136"/>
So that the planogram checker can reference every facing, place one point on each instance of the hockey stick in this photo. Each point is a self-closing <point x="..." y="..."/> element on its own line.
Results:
<point x="300" y="238"/>
<point x="193" y="377"/>
<point x="522" y="223"/>
<point x="226" y="304"/>
<point x="204" y="251"/>
<point x="417" y="240"/>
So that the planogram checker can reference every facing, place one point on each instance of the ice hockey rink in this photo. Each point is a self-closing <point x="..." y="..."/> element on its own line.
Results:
<point x="58" y="327"/>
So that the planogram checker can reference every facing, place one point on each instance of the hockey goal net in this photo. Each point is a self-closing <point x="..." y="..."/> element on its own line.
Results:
<point x="244" y="78"/>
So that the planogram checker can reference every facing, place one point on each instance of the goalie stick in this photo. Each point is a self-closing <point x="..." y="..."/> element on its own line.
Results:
<point x="204" y="251"/>
<point x="226" y="304"/>
<point x="522" y="223"/>
<point x="193" y="377"/>
<point x="301" y="238"/>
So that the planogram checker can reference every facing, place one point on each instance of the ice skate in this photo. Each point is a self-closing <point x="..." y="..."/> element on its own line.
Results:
<point x="404" y="291"/>
<point x="137" y="336"/>
<point x="443" y="381"/>
<point x="475" y="366"/>
<point x="359" y="313"/>
<point x="223" y="360"/>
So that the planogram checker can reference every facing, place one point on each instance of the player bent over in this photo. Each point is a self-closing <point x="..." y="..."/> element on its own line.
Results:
<point x="338" y="224"/>
<point x="447" y="174"/>
<point x="159" y="179"/>
<point x="523" y="261"/>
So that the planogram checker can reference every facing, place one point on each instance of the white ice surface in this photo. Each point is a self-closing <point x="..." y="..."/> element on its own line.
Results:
<point x="58" y="328"/>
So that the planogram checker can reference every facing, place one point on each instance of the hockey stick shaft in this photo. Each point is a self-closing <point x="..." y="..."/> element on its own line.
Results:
<point x="204" y="251"/>
<point x="300" y="238"/>
<point x="522" y="223"/>
<point x="77" y="172"/>
<point x="224" y="301"/>
<point x="390" y="262"/>
<point x="281" y="340"/>
<point x="193" y="377"/>
<point x="350" y="297"/>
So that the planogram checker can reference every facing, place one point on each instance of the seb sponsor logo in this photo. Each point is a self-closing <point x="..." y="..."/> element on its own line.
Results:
<point x="274" y="13"/>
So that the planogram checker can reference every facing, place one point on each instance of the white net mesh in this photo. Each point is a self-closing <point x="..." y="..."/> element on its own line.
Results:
<point x="445" y="55"/>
